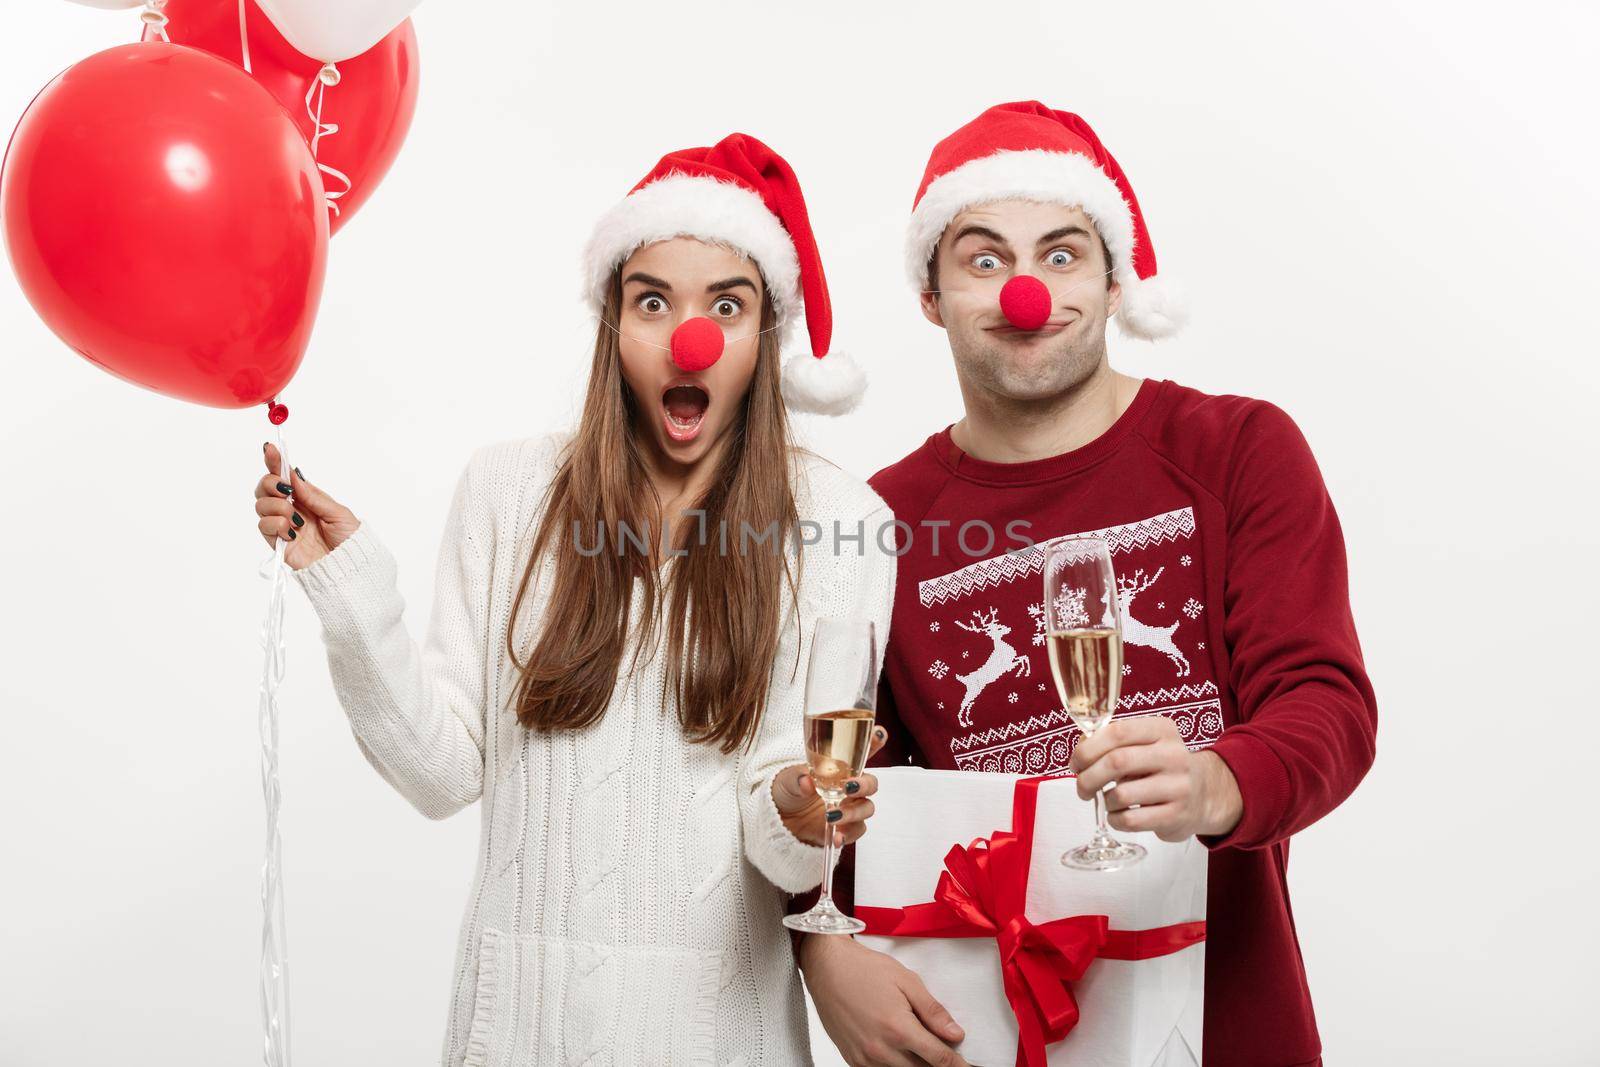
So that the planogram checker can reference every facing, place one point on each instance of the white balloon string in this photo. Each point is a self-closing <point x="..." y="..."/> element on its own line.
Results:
<point x="329" y="75"/>
<point x="244" y="39"/>
<point x="155" y="19"/>
<point x="668" y="348"/>
<point x="274" y="937"/>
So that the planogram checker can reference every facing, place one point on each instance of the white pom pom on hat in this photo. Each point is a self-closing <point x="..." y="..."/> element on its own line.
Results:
<point x="741" y="194"/>
<point x="830" y="386"/>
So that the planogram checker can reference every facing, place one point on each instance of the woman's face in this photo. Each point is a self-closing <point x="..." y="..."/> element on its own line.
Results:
<point x="684" y="414"/>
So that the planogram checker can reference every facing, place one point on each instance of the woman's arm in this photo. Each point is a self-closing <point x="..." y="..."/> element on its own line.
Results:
<point x="418" y="713"/>
<point x="840" y="577"/>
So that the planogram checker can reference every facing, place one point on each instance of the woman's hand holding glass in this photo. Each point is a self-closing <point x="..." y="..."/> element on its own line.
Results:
<point x="839" y="735"/>
<point x="805" y="813"/>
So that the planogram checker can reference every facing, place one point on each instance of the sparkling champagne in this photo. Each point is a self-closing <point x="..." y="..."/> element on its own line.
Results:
<point x="836" y="748"/>
<point x="1087" y="665"/>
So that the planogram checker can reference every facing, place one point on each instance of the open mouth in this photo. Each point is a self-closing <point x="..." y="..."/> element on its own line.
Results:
<point x="684" y="405"/>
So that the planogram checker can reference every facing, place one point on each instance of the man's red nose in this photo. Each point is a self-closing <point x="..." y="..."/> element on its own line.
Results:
<point x="1025" y="302"/>
<point x="696" y="344"/>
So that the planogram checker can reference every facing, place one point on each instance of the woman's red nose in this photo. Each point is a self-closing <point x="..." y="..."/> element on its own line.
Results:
<point x="1025" y="302"/>
<point x="696" y="344"/>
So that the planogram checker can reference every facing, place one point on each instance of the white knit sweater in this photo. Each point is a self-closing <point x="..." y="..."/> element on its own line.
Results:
<point x="627" y="902"/>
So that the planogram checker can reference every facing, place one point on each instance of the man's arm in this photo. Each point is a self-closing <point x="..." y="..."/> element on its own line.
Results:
<point x="1307" y="716"/>
<point x="877" y="1011"/>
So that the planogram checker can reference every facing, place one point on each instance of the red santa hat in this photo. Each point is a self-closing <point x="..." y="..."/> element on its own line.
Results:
<point x="1026" y="151"/>
<point x="741" y="194"/>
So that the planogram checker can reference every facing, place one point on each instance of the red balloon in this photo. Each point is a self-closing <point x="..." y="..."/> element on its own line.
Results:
<point x="372" y="105"/>
<point x="166" y="220"/>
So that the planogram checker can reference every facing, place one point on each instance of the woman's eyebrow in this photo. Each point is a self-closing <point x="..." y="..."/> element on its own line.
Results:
<point x="647" y="279"/>
<point x="730" y="283"/>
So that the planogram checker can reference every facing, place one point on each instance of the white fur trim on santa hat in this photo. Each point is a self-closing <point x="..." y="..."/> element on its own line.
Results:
<point x="1150" y="308"/>
<point x="683" y="205"/>
<point x="1031" y="174"/>
<point x="831" y="385"/>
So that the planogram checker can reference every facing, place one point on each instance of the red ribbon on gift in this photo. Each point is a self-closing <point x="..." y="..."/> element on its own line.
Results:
<point x="982" y="893"/>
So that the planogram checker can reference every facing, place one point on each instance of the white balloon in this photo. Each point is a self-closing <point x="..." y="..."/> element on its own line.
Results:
<point x="110" y="5"/>
<point x="331" y="30"/>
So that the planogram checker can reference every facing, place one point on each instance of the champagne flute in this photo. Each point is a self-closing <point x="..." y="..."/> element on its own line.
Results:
<point x="841" y="695"/>
<point x="1084" y="630"/>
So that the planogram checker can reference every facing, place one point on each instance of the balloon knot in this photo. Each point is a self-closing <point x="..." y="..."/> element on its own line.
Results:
<point x="277" y="414"/>
<point x="153" y="17"/>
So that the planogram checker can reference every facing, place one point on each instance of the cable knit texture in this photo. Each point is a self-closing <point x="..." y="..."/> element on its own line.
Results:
<point x="630" y="886"/>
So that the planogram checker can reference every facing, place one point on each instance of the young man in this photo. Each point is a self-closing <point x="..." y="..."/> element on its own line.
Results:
<point x="1245" y="713"/>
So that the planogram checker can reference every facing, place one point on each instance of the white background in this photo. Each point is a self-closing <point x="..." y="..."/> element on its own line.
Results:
<point x="1386" y="216"/>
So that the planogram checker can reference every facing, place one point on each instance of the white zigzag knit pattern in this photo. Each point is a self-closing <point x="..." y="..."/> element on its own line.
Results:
<point x="988" y="573"/>
<point x="1042" y="744"/>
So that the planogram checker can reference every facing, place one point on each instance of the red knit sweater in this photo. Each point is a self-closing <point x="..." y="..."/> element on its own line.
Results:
<point x="1236" y="625"/>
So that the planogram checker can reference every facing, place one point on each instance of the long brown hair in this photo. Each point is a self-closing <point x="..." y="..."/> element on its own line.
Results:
<point x="718" y="667"/>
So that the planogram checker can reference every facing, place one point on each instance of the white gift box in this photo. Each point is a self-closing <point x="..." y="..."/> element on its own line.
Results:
<point x="1138" y="1013"/>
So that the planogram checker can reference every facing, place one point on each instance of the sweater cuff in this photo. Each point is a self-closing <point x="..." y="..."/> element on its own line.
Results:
<point x="788" y="862"/>
<point x="1263" y="790"/>
<point x="355" y="554"/>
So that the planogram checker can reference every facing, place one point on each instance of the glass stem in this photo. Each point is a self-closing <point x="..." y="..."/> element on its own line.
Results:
<point x="1102" y="833"/>
<point x="825" y="899"/>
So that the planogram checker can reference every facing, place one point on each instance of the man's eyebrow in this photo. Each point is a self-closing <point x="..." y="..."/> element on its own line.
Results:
<point x="1065" y="231"/>
<point x="647" y="279"/>
<point x="974" y="230"/>
<point x="730" y="283"/>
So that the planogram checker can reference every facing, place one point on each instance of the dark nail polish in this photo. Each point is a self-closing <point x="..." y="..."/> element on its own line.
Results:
<point x="285" y="488"/>
<point x="880" y="731"/>
<point x="263" y="446"/>
<point x="292" y="534"/>
<point x="298" y="521"/>
<point x="835" y="815"/>
<point x="852" y="787"/>
<point x="297" y="474"/>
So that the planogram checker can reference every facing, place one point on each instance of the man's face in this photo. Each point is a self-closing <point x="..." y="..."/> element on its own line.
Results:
<point x="987" y="245"/>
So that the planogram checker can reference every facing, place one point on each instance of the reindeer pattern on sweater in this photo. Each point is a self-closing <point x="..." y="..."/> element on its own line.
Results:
<point x="987" y="665"/>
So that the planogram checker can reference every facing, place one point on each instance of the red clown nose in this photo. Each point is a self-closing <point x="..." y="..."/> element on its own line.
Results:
<point x="696" y="344"/>
<point x="1025" y="302"/>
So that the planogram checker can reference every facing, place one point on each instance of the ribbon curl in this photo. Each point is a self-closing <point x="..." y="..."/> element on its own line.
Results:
<point x="328" y="76"/>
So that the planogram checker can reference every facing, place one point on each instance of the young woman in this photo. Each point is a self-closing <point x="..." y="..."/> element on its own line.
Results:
<point x="617" y="655"/>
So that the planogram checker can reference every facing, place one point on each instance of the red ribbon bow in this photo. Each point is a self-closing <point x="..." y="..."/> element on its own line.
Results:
<point x="982" y="893"/>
